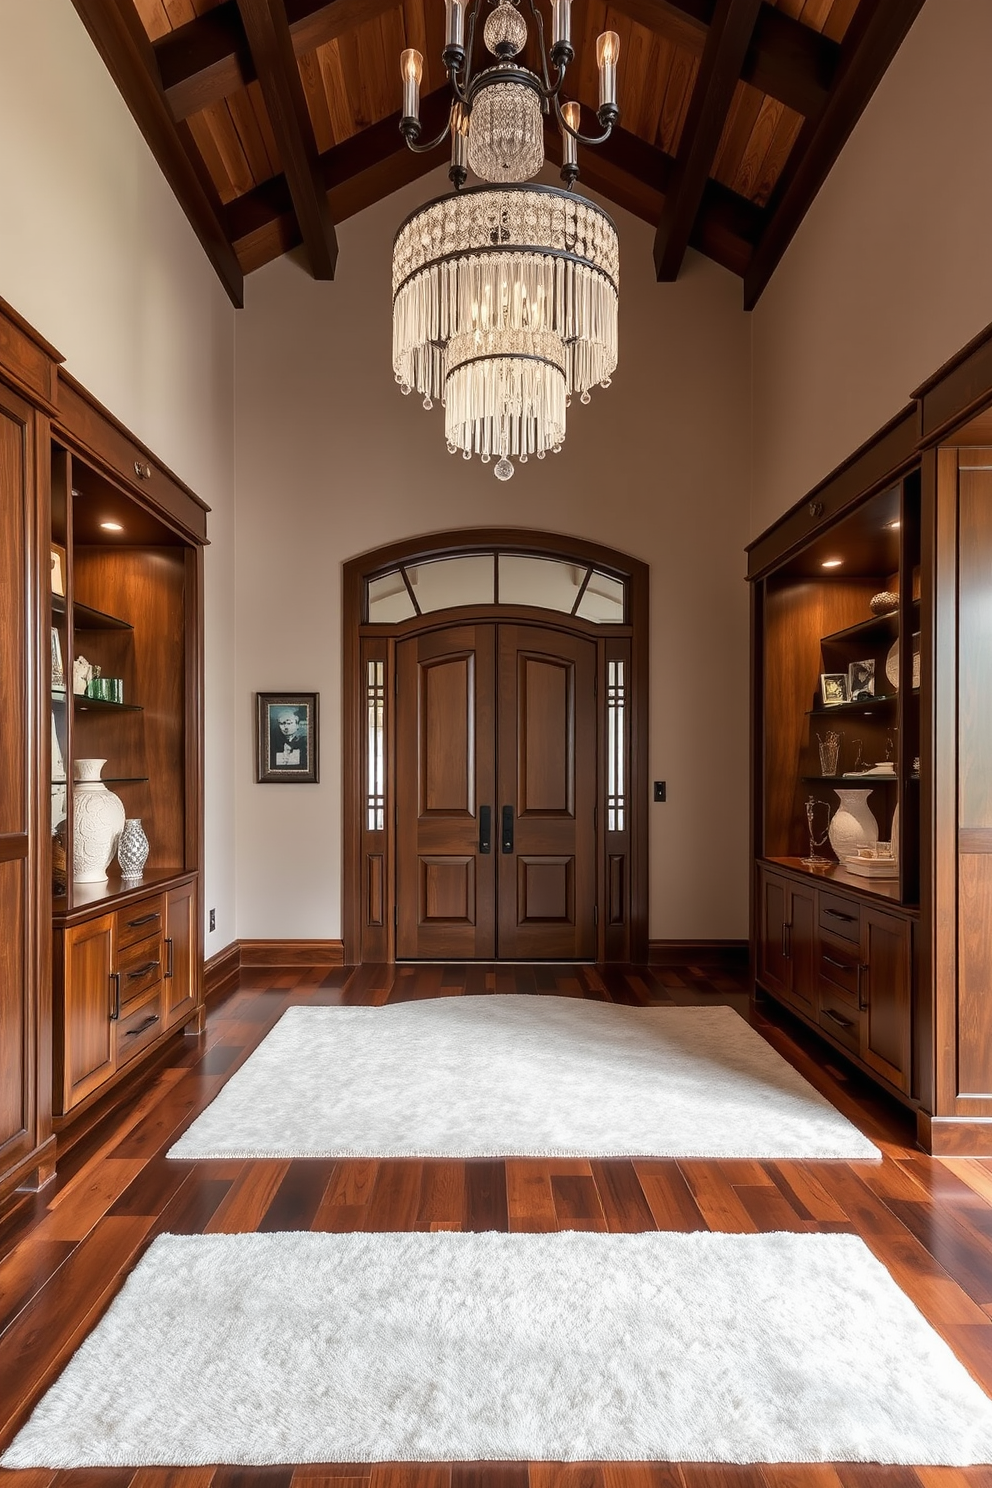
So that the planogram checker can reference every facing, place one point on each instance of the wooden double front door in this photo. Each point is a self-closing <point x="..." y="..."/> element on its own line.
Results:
<point x="496" y="793"/>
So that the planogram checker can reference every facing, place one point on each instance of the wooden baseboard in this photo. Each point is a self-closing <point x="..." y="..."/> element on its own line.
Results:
<point x="292" y="953"/>
<point x="220" y="973"/>
<point x="954" y="1136"/>
<point x="731" y="954"/>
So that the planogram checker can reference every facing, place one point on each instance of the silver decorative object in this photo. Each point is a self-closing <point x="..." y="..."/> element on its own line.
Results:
<point x="132" y="849"/>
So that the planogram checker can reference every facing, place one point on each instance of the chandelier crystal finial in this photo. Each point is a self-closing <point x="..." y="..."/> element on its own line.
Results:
<point x="505" y="295"/>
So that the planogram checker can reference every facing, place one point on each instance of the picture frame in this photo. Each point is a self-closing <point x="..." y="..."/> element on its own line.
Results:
<point x="58" y="570"/>
<point x="287" y="738"/>
<point x="861" y="681"/>
<point x="833" y="689"/>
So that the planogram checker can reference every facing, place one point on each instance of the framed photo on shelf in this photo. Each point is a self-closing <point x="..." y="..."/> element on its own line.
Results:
<point x="860" y="681"/>
<point x="58" y="670"/>
<point x="833" y="688"/>
<point x="58" y="570"/>
<point x="287" y="740"/>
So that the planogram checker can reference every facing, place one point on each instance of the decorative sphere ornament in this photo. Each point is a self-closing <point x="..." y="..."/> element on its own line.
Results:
<point x="884" y="603"/>
<point x="505" y="31"/>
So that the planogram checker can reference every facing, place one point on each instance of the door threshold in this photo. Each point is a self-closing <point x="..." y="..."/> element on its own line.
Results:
<point x="472" y="961"/>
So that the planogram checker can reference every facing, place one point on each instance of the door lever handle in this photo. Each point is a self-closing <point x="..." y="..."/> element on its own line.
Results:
<point x="485" y="829"/>
<point x="506" y="843"/>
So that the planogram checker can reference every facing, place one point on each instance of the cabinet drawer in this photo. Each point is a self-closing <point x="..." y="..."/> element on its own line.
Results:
<point x="140" y="968"/>
<point x="140" y="920"/>
<point x="838" y="965"/>
<point x="840" y="916"/>
<point x="840" y="1019"/>
<point x="139" y="1027"/>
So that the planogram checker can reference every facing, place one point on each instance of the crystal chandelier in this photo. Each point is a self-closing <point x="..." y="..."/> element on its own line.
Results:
<point x="505" y="294"/>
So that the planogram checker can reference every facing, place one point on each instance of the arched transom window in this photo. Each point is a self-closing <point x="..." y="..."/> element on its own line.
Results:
<point x="498" y="578"/>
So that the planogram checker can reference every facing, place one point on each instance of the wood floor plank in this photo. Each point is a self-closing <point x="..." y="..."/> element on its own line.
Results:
<point x="566" y="1475"/>
<point x="248" y="1199"/>
<point x="414" y="1475"/>
<point x="669" y="1196"/>
<point x="621" y="1196"/>
<point x="396" y="1196"/>
<point x="805" y="1192"/>
<point x="297" y="1199"/>
<point x="88" y="1199"/>
<point x="716" y="1198"/>
<point x="577" y="1203"/>
<point x="489" y="1475"/>
<point x="173" y="1477"/>
<point x="442" y="1195"/>
<point x="530" y="1203"/>
<point x="25" y="1271"/>
<point x="485" y="1195"/>
<point x="800" y="1475"/>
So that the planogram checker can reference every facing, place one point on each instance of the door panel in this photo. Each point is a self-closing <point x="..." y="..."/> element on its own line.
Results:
<point x="445" y="770"/>
<point x="546" y="711"/>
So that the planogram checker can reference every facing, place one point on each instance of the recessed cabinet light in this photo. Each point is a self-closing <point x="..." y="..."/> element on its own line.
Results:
<point x="891" y="526"/>
<point x="112" y="526"/>
<point x="831" y="563"/>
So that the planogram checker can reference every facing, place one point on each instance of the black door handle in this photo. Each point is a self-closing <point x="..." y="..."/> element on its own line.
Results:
<point x="485" y="829"/>
<point x="506" y="843"/>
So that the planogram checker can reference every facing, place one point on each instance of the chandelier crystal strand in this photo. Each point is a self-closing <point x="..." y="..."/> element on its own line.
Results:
<point x="505" y="296"/>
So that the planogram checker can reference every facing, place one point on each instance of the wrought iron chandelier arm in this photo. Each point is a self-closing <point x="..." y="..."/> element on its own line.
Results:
<point x="583" y="139"/>
<point x="540" y="47"/>
<point x="434" y="144"/>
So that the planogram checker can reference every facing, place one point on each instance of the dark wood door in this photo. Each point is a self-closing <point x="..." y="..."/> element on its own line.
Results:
<point x="445" y="785"/>
<point x="496" y="794"/>
<point x="546" y="710"/>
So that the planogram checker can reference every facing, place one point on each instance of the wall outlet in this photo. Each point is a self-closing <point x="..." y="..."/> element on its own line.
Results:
<point x="213" y="919"/>
<point x="659" y="790"/>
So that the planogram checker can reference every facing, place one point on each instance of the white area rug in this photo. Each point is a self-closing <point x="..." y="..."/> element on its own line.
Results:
<point x="518" y="1076"/>
<point x="434" y="1347"/>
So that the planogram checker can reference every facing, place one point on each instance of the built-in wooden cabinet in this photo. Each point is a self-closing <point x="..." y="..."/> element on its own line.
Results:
<point x="100" y="556"/>
<point x="902" y="962"/>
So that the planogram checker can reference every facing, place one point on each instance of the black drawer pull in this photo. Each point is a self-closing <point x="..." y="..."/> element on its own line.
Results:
<point x="832" y="962"/>
<point x="485" y="829"/>
<point x="115" y="1010"/>
<point x="172" y="954"/>
<point x="146" y="1023"/>
<point x="836" y="1018"/>
<point x="145" y="920"/>
<point x="836" y="914"/>
<point x="133" y="976"/>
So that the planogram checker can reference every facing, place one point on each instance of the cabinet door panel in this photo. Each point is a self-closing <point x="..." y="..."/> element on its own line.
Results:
<point x="801" y="943"/>
<point x="88" y="996"/>
<point x="773" y="963"/>
<point x="887" y="1026"/>
<point x="179" y="984"/>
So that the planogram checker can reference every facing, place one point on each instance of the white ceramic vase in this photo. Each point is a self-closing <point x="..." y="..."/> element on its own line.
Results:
<point x="97" y="820"/>
<point x="132" y="850"/>
<point x="852" y="824"/>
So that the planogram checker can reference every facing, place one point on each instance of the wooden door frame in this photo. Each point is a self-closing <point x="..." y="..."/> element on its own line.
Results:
<point x="368" y="878"/>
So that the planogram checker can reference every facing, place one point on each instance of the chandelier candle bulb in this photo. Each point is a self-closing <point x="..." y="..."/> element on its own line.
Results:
<point x="411" y="71"/>
<point x="561" y="31"/>
<point x="607" y="54"/>
<point x="454" y="30"/>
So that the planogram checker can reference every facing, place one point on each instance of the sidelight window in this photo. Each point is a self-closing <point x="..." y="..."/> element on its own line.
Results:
<point x="376" y="697"/>
<point x="616" y="746"/>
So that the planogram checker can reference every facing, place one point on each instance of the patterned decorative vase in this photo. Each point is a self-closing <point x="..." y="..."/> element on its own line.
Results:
<point x="97" y="819"/>
<point x="852" y="824"/>
<point x="132" y="850"/>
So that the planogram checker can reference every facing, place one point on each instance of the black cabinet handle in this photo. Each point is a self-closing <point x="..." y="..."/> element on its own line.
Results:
<point x="145" y="920"/>
<point x="836" y="1018"/>
<point x="115" y="1007"/>
<point x="506" y="843"/>
<point x="146" y="1023"/>
<point x="485" y="829"/>
<point x="862" y="990"/>
<point x="141" y="971"/>
<point x="836" y="915"/>
<point x="168" y="941"/>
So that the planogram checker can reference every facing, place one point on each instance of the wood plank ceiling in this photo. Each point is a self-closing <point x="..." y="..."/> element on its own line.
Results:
<point x="274" y="119"/>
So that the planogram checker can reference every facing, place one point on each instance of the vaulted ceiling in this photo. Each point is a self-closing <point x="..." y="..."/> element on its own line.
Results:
<point x="274" y="119"/>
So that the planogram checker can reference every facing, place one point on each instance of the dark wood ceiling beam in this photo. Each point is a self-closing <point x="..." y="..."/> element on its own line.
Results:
<point x="118" y="35"/>
<point x="209" y="58"/>
<point x="267" y="30"/>
<point x="873" y="38"/>
<point x="726" y="46"/>
<point x="789" y="61"/>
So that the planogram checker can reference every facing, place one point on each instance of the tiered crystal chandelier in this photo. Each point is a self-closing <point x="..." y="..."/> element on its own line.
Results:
<point x="505" y="294"/>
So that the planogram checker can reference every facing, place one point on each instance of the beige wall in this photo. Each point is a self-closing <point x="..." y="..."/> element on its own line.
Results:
<point x="96" y="253"/>
<point x="890" y="272"/>
<point x="331" y="461"/>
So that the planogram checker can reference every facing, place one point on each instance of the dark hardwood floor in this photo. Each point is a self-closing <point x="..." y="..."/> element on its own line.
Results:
<point x="64" y="1253"/>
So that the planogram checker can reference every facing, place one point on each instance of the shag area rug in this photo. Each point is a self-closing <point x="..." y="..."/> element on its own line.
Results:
<point x="517" y="1076"/>
<point x="699" y="1347"/>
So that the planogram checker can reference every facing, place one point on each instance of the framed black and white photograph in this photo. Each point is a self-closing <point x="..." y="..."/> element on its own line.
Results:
<point x="833" y="688"/>
<point x="860" y="681"/>
<point x="286" y="738"/>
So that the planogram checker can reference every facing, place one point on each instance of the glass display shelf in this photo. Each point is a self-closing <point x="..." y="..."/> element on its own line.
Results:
<point x="880" y="627"/>
<point x="863" y="705"/>
<point x="84" y="704"/>
<point x="850" y="780"/>
<point x="109" y="780"/>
